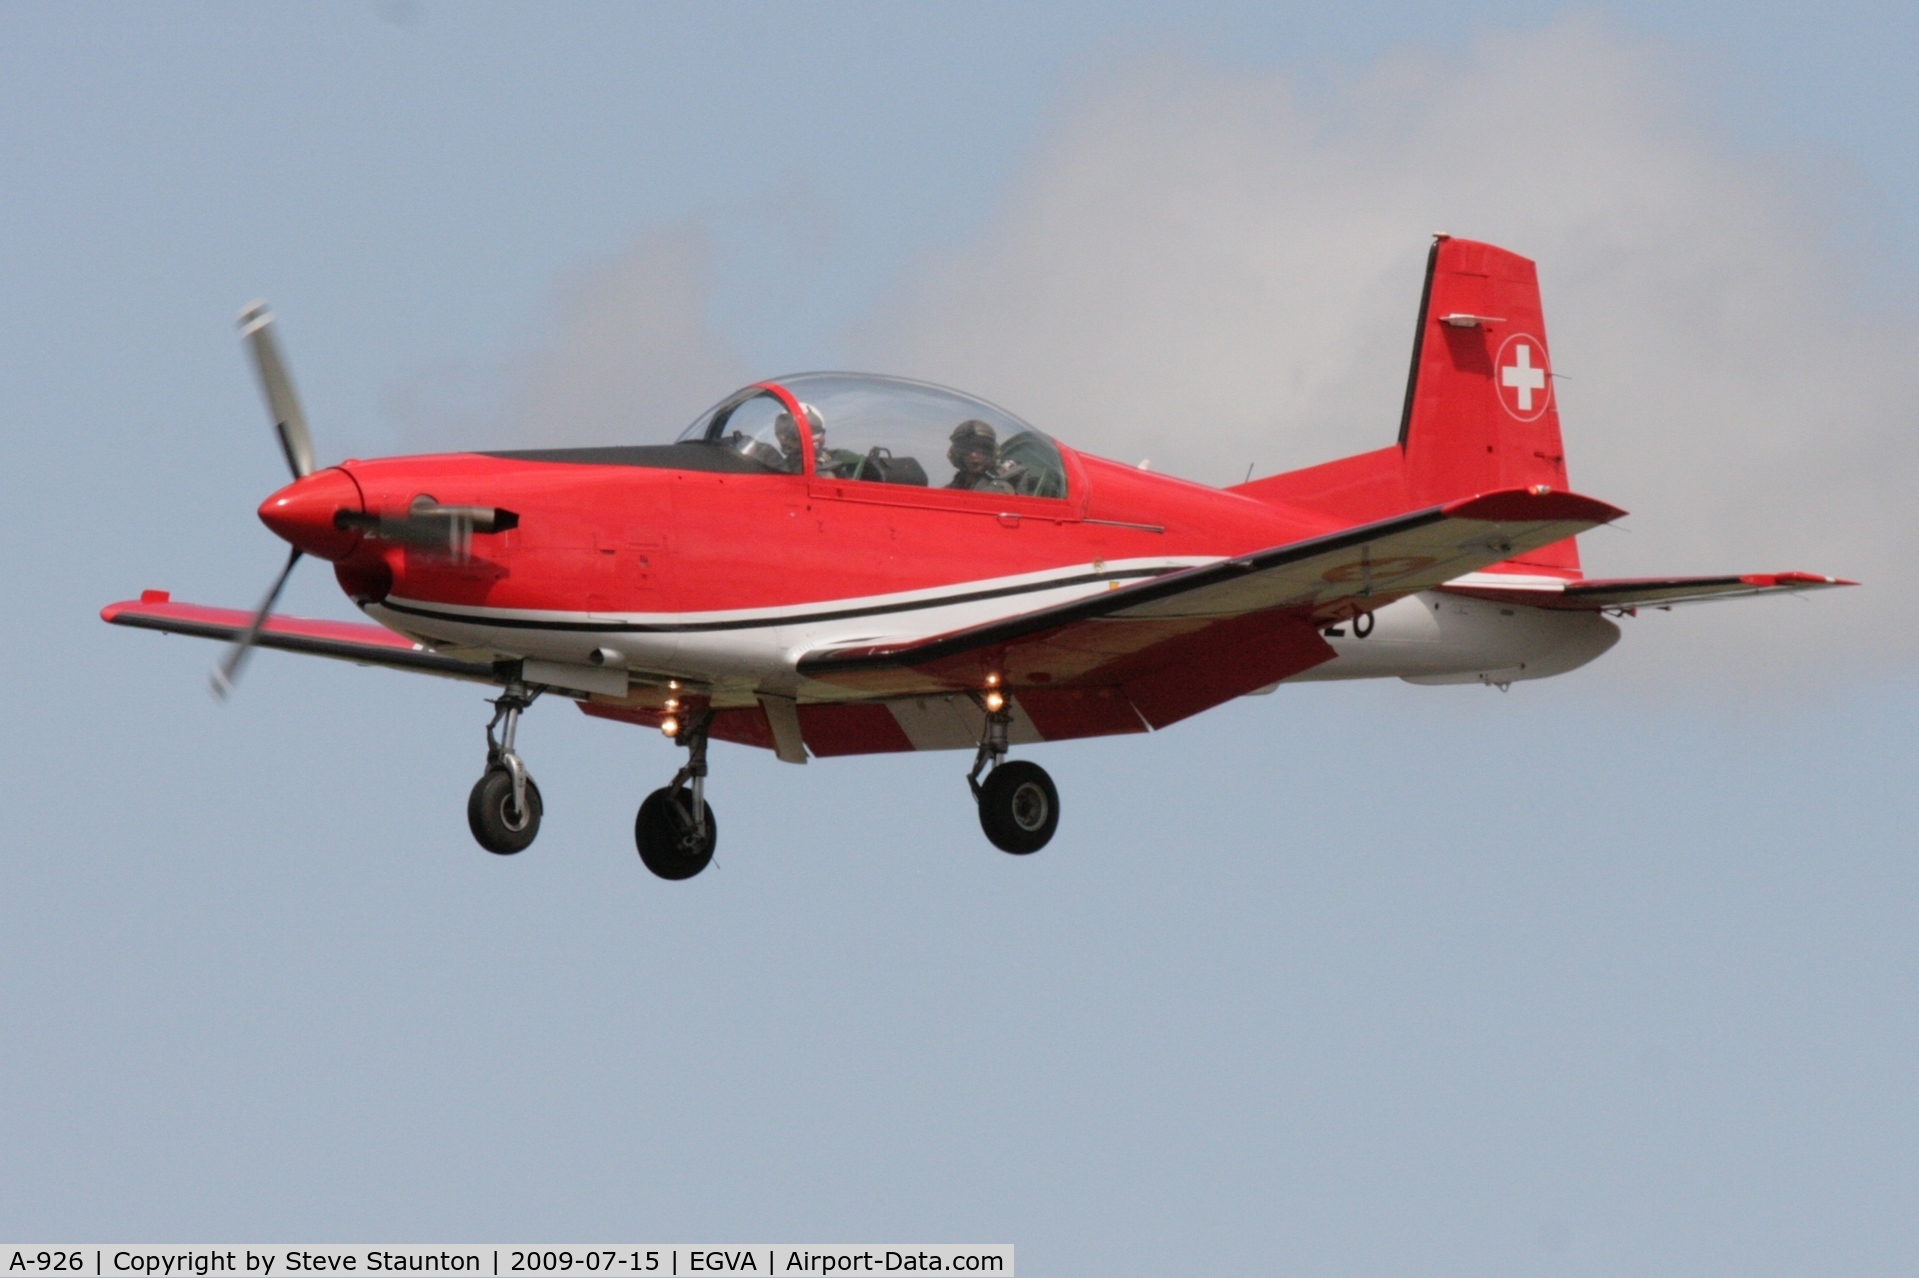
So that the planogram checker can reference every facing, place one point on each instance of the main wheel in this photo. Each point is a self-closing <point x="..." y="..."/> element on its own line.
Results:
<point x="667" y="840"/>
<point x="1018" y="807"/>
<point x="495" y="823"/>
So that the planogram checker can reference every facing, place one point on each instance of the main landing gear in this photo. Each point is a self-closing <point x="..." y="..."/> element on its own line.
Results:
<point x="504" y="808"/>
<point x="675" y="830"/>
<point x="1018" y="803"/>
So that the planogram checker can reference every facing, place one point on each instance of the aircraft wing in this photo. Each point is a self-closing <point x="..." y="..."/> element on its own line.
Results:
<point x="363" y="644"/>
<point x="1177" y="644"/>
<point x="1645" y="592"/>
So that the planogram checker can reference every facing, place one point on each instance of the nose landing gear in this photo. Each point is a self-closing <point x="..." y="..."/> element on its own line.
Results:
<point x="1018" y="803"/>
<point x="675" y="830"/>
<point x="504" y="809"/>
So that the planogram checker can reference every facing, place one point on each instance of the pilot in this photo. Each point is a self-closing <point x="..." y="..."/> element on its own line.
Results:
<point x="975" y="457"/>
<point x="838" y="463"/>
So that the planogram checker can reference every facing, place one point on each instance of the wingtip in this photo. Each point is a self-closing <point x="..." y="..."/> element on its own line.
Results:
<point x="1795" y="580"/>
<point x="147" y="598"/>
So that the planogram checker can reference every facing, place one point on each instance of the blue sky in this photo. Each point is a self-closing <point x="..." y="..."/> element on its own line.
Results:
<point x="1608" y="974"/>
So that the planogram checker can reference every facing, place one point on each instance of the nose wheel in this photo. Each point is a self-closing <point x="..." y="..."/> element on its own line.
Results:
<point x="675" y="831"/>
<point x="503" y="811"/>
<point x="500" y="823"/>
<point x="1018" y="802"/>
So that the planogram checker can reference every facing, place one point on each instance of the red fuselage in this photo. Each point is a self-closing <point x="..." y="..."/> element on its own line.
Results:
<point x="606" y="535"/>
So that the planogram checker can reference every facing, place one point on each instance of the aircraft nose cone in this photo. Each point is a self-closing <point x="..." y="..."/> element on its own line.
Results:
<point x="302" y="513"/>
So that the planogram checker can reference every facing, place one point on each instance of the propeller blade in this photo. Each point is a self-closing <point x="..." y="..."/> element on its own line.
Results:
<point x="256" y="326"/>
<point x="228" y="671"/>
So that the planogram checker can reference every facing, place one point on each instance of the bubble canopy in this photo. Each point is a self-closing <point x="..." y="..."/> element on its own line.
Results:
<point x="888" y="430"/>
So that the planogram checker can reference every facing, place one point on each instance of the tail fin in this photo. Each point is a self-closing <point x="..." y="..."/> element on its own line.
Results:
<point x="1480" y="412"/>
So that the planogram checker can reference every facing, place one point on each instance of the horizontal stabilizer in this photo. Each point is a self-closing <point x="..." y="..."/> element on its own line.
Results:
<point x="357" y="642"/>
<point x="1642" y="592"/>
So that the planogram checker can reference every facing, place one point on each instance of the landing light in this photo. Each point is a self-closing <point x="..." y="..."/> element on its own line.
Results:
<point x="995" y="702"/>
<point x="670" y="726"/>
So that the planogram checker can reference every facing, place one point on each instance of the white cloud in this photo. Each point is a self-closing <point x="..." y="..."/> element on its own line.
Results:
<point x="1204" y="268"/>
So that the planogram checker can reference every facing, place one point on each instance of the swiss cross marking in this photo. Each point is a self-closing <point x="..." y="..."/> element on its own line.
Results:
<point x="1523" y="377"/>
<point x="1523" y="372"/>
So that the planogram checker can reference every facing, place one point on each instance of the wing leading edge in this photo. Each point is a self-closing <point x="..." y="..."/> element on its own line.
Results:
<point x="1179" y="643"/>
<point x="362" y="644"/>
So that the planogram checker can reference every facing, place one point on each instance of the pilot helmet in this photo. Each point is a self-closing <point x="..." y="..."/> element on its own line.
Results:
<point x="783" y="426"/>
<point x="973" y="436"/>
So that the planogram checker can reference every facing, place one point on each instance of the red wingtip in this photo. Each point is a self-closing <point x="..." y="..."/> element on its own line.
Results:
<point x="1790" y="579"/>
<point x="113" y="610"/>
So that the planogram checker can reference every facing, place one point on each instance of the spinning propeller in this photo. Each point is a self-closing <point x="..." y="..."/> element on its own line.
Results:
<point x="296" y="442"/>
<point x="321" y="513"/>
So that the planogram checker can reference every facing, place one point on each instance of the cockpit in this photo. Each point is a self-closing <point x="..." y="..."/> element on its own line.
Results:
<point x="882" y="430"/>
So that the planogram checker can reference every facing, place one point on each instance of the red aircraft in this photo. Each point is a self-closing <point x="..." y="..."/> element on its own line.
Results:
<point x="836" y="563"/>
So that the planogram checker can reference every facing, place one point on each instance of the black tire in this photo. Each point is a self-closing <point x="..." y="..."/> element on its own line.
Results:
<point x="664" y="833"/>
<point x="1019" y="807"/>
<point x="489" y="814"/>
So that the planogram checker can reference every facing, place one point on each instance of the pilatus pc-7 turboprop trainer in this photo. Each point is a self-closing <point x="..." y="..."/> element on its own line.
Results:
<point x="835" y="564"/>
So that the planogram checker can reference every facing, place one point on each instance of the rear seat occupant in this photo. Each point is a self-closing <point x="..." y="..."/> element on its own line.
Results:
<point x="975" y="457"/>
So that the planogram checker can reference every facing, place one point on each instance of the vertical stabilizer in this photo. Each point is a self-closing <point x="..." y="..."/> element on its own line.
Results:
<point x="1480" y="412"/>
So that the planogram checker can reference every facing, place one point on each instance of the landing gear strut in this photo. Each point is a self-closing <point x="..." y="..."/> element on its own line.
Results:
<point x="504" y="809"/>
<point x="675" y="830"/>
<point x="1018" y="803"/>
